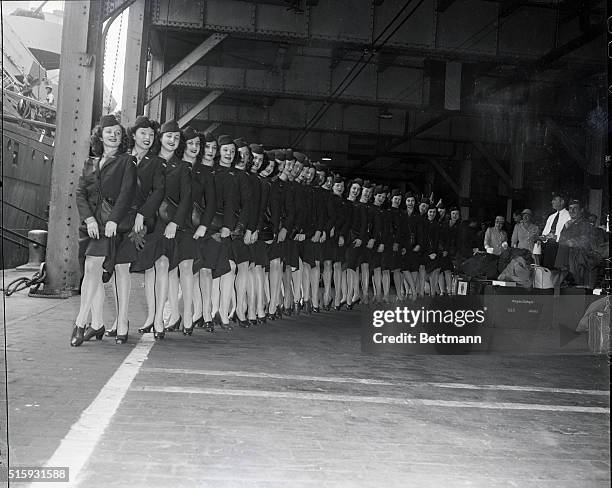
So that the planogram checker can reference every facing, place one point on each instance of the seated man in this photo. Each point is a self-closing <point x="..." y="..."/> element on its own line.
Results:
<point x="576" y="253"/>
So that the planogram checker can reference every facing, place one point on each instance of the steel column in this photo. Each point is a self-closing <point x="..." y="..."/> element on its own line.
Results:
<point x="134" y="52"/>
<point x="201" y="105"/>
<point x="76" y="92"/>
<point x="153" y="107"/>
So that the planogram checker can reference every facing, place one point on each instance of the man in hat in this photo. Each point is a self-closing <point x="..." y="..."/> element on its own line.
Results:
<point x="525" y="232"/>
<point x="552" y="231"/>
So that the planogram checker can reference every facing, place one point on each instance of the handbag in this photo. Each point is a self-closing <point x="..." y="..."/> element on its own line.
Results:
<point x="167" y="210"/>
<point x="196" y="214"/>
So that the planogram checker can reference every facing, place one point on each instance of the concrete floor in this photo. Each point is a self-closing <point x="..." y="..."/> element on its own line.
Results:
<point x="296" y="404"/>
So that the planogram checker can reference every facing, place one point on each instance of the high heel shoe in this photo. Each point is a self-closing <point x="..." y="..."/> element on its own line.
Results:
<point x="199" y="323"/>
<point x="122" y="339"/>
<point x="175" y="326"/>
<point x="158" y="336"/>
<point x="261" y="320"/>
<point x="143" y="330"/>
<point x="209" y="326"/>
<point x="244" y="324"/>
<point x="297" y="308"/>
<point x="90" y="332"/>
<point x="111" y="333"/>
<point x="76" y="339"/>
<point x="226" y="327"/>
<point x="188" y="330"/>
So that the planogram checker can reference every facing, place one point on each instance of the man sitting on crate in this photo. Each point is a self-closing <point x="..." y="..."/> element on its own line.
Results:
<point x="576" y="253"/>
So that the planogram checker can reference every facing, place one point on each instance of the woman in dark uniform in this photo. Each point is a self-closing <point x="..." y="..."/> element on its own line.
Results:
<point x="379" y="234"/>
<point x="241" y="241"/>
<point x="232" y="211"/>
<point x="318" y="240"/>
<point x="431" y="250"/>
<point x="139" y="250"/>
<point x="172" y="212"/>
<point x="179" y="178"/>
<point x="104" y="196"/>
<point x="357" y="230"/>
<point x="368" y="241"/>
<point x="342" y="222"/>
<point x="261" y="171"/>
<point x="396" y="219"/>
<point x="328" y="248"/>
<point x="451" y="246"/>
<point x="409" y="240"/>
<point x="204" y="206"/>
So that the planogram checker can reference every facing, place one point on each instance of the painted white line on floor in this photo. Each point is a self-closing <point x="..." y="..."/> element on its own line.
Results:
<point x="365" y="381"/>
<point x="412" y="402"/>
<point x="78" y="445"/>
<point x="250" y="374"/>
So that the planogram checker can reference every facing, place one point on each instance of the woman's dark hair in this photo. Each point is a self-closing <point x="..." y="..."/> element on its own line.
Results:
<point x="97" y="147"/>
<point x="155" y="146"/>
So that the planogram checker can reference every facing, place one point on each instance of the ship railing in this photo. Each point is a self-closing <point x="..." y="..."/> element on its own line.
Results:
<point x="4" y="202"/>
<point x="33" y="101"/>
<point x="18" y="235"/>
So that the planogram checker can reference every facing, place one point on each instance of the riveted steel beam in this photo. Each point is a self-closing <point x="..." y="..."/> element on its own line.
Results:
<point x="449" y="180"/>
<point x="489" y="158"/>
<point x="74" y="115"/>
<point x="160" y="84"/>
<point x="201" y="105"/>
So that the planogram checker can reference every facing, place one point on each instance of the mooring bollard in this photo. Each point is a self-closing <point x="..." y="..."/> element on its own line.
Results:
<point x="36" y="250"/>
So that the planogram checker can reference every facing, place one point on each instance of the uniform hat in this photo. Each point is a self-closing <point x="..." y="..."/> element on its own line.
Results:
<point x="395" y="192"/>
<point x="240" y="142"/>
<point x="297" y="155"/>
<point x="367" y="184"/>
<point x="385" y="189"/>
<point x="440" y="204"/>
<point x="225" y="139"/>
<point x="379" y="189"/>
<point x="410" y="194"/>
<point x="289" y="154"/>
<point x="424" y="199"/>
<point x="270" y="154"/>
<point x="455" y="208"/>
<point x="208" y="137"/>
<point x="279" y="154"/>
<point x="256" y="148"/>
<point x="338" y="179"/>
<point x="108" y="121"/>
<point x="527" y="211"/>
<point x="142" y="122"/>
<point x="170" y="126"/>
<point x="189" y="133"/>
<point x="359" y="181"/>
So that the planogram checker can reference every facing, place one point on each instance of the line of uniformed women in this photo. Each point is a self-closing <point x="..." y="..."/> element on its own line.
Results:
<point x="246" y="234"/>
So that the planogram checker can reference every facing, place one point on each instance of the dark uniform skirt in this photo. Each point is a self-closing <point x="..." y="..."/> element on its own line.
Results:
<point x="259" y="253"/>
<point x="291" y="253"/>
<point x="222" y="266"/>
<point x="207" y="253"/>
<point x="397" y="260"/>
<point x="411" y="261"/>
<point x="240" y="252"/>
<point x="311" y="252"/>
<point x="103" y="246"/>
<point x="352" y="256"/>
<point x="445" y="263"/>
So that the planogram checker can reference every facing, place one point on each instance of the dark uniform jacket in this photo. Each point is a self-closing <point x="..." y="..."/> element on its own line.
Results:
<point x="451" y="238"/>
<point x="150" y="185"/>
<point x="115" y="182"/>
<point x="178" y="189"/>
<point x="227" y="197"/>
<point x="431" y="235"/>
<point x="264" y="224"/>
<point x="282" y="207"/>
<point x="383" y="231"/>
<point x="255" y="218"/>
<point x="203" y="192"/>
<point x="359" y="222"/>
<point x="342" y="217"/>
<point x="246" y="207"/>
<point x="411" y="230"/>
<point x="396" y="217"/>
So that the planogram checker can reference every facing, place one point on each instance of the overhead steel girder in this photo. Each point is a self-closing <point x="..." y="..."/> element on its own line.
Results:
<point x="295" y="114"/>
<point x="311" y="79"/>
<point x="201" y="105"/>
<point x="467" y="31"/>
<point x="160" y="84"/>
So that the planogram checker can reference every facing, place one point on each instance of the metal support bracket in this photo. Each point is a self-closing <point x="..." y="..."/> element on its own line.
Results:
<point x="201" y="105"/>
